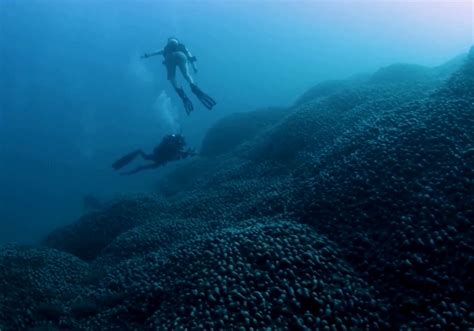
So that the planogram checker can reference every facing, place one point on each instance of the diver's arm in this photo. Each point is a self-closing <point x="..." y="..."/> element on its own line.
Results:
<point x="188" y="152"/>
<point x="192" y="59"/>
<point x="193" y="64"/>
<point x="147" y="55"/>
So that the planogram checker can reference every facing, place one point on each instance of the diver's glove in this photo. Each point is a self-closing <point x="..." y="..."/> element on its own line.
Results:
<point x="145" y="56"/>
<point x="188" y="105"/>
<point x="206" y="100"/>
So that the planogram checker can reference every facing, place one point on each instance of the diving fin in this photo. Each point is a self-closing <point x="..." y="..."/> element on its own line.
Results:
<point x="188" y="105"/>
<point x="123" y="161"/>
<point x="206" y="100"/>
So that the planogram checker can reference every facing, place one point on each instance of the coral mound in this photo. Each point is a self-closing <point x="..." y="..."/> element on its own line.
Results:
<point x="36" y="283"/>
<point x="400" y="73"/>
<point x="93" y="232"/>
<point x="266" y="274"/>
<point x="237" y="128"/>
<point x="351" y="210"/>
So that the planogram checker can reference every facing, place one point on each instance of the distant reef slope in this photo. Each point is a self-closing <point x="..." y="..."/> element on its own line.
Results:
<point x="353" y="209"/>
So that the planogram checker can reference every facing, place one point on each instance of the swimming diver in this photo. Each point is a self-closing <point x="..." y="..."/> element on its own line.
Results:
<point x="171" y="148"/>
<point x="177" y="55"/>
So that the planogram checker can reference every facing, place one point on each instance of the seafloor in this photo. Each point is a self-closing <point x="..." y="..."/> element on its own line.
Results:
<point x="351" y="210"/>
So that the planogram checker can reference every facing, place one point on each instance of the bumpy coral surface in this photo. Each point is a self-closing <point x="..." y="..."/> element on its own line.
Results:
<point x="351" y="210"/>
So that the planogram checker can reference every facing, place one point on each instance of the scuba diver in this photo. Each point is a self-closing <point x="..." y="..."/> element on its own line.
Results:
<point x="171" y="148"/>
<point x="177" y="55"/>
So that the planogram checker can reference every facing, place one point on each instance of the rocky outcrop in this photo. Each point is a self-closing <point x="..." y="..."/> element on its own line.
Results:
<point x="237" y="128"/>
<point x="93" y="232"/>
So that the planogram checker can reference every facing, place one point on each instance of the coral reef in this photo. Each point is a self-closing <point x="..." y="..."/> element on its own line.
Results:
<point x="227" y="133"/>
<point x="402" y="73"/>
<point x="36" y="283"/>
<point x="353" y="209"/>
<point x="93" y="232"/>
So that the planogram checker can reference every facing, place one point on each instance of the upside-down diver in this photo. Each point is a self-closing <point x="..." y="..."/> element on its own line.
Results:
<point x="177" y="55"/>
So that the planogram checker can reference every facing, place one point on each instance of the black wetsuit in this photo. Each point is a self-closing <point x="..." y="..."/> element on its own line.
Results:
<point x="169" y="61"/>
<point x="172" y="47"/>
<point x="171" y="148"/>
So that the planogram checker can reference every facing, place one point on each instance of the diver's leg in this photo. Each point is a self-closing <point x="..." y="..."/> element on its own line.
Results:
<point x="171" y="73"/>
<point x="188" y="105"/>
<point x="174" y="60"/>
<point x="183" y="66"/>
<point x="141" y="168"/>
<point x="123" y="161"/>
<point x="206" y="100"/>
<point x="175" y="84"/>
<point x="182" y="62"/>
<point x="148" y="157"/>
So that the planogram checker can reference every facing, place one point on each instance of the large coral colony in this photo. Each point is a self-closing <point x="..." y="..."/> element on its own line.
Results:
<point x="351" y="210"/>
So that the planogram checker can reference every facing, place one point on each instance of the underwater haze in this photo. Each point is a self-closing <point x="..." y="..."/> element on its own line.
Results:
<point x="75" y="94"/>
<point x="315" y="171"/>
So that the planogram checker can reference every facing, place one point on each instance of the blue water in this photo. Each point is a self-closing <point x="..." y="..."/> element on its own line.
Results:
<point x="74" y="94"/>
